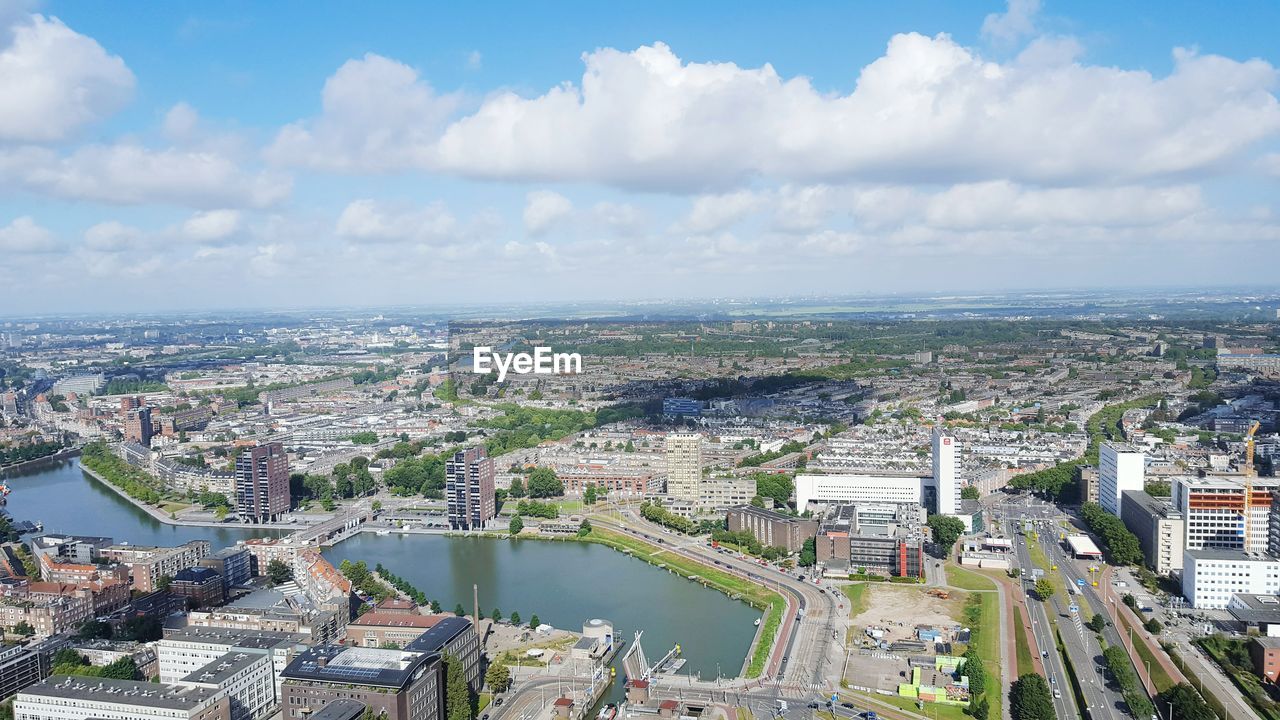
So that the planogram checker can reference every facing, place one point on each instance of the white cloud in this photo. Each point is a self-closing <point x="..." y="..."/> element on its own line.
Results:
<point x="543" y="209"/>
<point x="712" y="213"/>
<point x="113" y="236"/>
<point x="24" y="236"/>
<point x="129" y="174"/>
<point x="371" y="221"/>
<point x="212" y="226"/>
<point x="1017" y="22"/>
<point x="474" y="60"/>
<point x="377" y="116"/>
<point x="55" y="81"/>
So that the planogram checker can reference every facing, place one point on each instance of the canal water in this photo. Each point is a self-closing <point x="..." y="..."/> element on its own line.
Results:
<point x="564" y="583"/>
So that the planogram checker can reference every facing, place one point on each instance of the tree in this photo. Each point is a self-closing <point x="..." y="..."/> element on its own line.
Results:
<point x="544" y="483"/>
<point x="164" y="582"/>
<point x="534" y="622"/>
<point x="457" y="610"/>
<point x="24" y="629"/>
<point x="981" y="710"/>
<point x="946" y="531"/>
<point x="457" y="695"/>
<point x="975" y="670"/>
<point x="1030" y="699"/>
<point x="515" y="618"/>
<point x="93" y="629"/>
<point x="517" y="489"/>
<point x="809" y="553"/>
<point x="1153" y="626"/>
<point x="435" y="607"/>
<point x="515" y="526"/>
<point x="220" y="513"/>
<point x="969" y="492"/>
<point x="1044" y="589"/>
<point x="1097" y="623"/>
<point x="377" y="506"/>
<point x="498" y="677"/>
<point x="279" y="572"/>
<point x="496" y="615"/>
<point x="589" y="497"/>
<point x="1186" y="704"/>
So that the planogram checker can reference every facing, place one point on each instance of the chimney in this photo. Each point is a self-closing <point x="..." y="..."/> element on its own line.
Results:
<point x="475" y="600"/>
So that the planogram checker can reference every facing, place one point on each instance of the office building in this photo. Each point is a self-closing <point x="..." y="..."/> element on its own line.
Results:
<point x="772" y="529"/>
<point x="945" y="476"/>
<point x="137" y="426"/>
<point x="245" y="679"/>
<point x="468" y="488"/>
<point x="394" y="684"/>
<point x="684" y="466"/>
<point x="262" y="483"/>
<point x="1120" y="468"/>
<point x="63" y="697"/>
<point x="1159" y="526"/>
<point x="1211" y="577"/>
<point x="877" y="538"/>
<point x="81" y="384"/>
<point x="1227" y="513"/>
<point x="20" y="667"/>
<point x="457" y="638"/>
<point x="234" y="564"/>
<point x="847" y="488"/>
<point x="678" y="407"/>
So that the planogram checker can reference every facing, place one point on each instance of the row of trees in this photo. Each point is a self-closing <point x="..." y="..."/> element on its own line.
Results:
<point x="30" y="451"/>
<point x="1122" y="545"/>
<point x="657" y="514"/>
<point x="135" y="483"/>
<point x="69" y="662"/>
<point x="541" y="483"/>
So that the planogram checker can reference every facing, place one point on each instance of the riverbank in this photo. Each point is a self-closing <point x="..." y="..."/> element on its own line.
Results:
<point x="160" y="515"/>
<point x="34" y="463"/>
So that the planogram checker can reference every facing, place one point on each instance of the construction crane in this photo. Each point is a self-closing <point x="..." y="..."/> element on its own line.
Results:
<point x="1248" y="450"/>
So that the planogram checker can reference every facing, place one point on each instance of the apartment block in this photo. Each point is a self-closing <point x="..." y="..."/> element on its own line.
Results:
<point x="469" y="489"/>
<point x="1120" y="467"/>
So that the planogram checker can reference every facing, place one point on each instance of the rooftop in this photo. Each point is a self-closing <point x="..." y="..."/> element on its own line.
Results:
<point x="129" y="692"/>
<point x="357" y="666"/>
<point x="227" y="666"/>
<point x="440" y="634"/>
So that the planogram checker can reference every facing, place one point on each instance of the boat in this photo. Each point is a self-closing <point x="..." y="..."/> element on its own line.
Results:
<point x="608" y="712"/>
<point x="757" y="622"/>
<point x="383" y="532"/>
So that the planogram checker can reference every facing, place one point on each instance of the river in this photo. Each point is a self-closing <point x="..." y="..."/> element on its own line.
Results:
<point x="564" y="583"/>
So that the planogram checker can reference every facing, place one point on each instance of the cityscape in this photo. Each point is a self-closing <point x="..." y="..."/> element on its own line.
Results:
<point x="796" y="362"/>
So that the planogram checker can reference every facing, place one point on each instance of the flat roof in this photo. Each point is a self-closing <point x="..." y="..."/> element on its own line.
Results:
<point x="1235" y="555"/>
<point x="1082" y="545"/>
<point x="125" y="692"/>
<point x="343" y="665"/>
<point x="224" y="667"/>
<point x="385" y="619"/>
<point x="434" y="639"/>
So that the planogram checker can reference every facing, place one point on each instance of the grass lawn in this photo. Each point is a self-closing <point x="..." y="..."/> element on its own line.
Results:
<point x="1158" y="675"/>
<point x="986" y="635"/>
<point x="174" y="507"/>
<point x="968" y="579"/>
<point x="757" y="596"/>
<point x="1025" y="660"/>
<point x="569" y="506"/>
<point x="484" y="700"/>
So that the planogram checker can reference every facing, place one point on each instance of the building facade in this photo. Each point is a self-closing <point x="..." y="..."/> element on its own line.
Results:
<point x="394" y="684"/>
<point x="469" y="489"/>
<point x="262" y="483"/>
<point x="1120" y="468"/>
<point x="945" y="476"/>
<point x="1211" y="577"/>
<point x="1159" y="526"/>
<point x="684" y="466"/>
<point x="772" y="528"/>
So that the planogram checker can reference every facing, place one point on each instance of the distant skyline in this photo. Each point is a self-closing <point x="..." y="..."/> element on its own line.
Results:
<point x="250" y="155"/>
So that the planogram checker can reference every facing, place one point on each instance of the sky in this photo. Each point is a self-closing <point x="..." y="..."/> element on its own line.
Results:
<point x="158" y="156"/>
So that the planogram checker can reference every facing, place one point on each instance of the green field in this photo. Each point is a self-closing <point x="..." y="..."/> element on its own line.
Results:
<point x="1158" y="675"/>
<point x="968" y="579"/>
<point x="1025" y="656"/>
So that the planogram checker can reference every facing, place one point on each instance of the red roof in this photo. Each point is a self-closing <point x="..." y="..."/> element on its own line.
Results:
<point x="669" y="704"/>
<point x="564" y="702"/>
<point x="639" y="684"/>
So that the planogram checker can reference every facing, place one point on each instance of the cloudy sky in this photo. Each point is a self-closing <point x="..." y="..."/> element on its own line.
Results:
<point x="242" y="154"/>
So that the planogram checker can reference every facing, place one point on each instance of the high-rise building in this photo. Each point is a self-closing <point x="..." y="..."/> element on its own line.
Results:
<point x="1120" y="468"/>
<point x="1159" y="526"/>
<point x="137" y="426"/>
<point x="262" y="483"/>
<point x="468" y="489"/>
<point x="684" y="466"/>
<point x="945" y="475"/>
<point x="1225" y="513"/>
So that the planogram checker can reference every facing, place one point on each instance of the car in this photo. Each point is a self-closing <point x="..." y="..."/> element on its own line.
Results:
<point x="1044" y="653"/>
<point x="498" y="702"/>
<point x="814" y="706"/>
<point x="846" y="705"/>
<point x="1057" y="694"/>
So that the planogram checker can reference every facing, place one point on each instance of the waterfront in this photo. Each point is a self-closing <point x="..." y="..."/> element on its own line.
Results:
<point x="62" y="497"/>
<point x="564" y="583"/>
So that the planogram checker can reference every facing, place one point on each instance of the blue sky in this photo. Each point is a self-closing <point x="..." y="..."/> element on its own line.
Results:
<point x="239" y="154"/>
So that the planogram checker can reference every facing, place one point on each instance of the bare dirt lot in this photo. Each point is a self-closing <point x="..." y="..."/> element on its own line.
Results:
<point x="898" y="610"/>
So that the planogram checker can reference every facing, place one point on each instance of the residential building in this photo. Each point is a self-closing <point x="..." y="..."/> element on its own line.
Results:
<point x="19" y="667"/>
<point x="137" y="426"/>
<point x="945" y="476"/>
<point x="183" y="651"/>
<point x="1160" y="529"/>
<point x="772" y="528"/>
<point x="47" y="615"/>
<point x="469" y="489"/>
<point x="1265" y="654"/>
<point x="1089" y="483"/>
<point x="262" y="483"/>
<point x="395" y="684"/>
<point x="1211" y="576"/>
<point x="1120" y="468"/>
<point x="234" y="564"/>
<point x="684" y="466"/>
<point x="147" y="563"/>
<point x="63" y="697"/>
